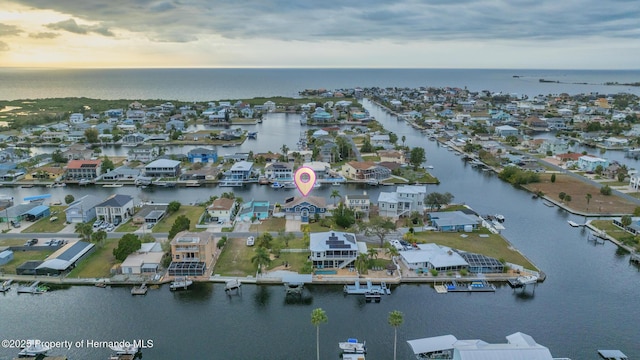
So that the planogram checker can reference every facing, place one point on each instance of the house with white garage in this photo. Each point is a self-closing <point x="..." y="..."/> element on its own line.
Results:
<point x="433" y="256"/>
<point x="453" y="221"/>
<point x="145" y="261"/>
<point x="82" y="209"/>
<point x="116" y="209"/>
<point x="335" y="250"/>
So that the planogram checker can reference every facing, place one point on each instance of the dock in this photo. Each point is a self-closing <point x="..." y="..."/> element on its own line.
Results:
<point x="440" y="289"/>
<point x="232" y="285"/>
<point x="574" y="224"/>
<point x="474" y="286"/>
<point x="139" y="290"/>
<point x="372" y="297"/>
<point x="368" y="287"/>
<point x="612" y="355"/>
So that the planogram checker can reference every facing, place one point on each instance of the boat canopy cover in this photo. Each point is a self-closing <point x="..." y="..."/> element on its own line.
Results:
<point x="431" y="344"/>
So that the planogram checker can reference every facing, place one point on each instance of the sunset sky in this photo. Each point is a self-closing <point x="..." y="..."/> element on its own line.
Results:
<point x="566" y="34"/>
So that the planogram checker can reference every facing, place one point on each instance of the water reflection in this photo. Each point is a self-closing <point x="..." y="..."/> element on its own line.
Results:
<point x="197" y="292"/>
<point x="262" y="297"/>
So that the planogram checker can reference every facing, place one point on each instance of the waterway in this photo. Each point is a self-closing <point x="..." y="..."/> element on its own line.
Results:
<point x="588" y="301"/>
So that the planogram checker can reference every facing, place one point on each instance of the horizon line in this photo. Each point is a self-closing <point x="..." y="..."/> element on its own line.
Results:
<point x="299" y="68"/>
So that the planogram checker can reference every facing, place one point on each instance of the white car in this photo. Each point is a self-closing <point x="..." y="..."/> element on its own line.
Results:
<point x="251" y="241"/>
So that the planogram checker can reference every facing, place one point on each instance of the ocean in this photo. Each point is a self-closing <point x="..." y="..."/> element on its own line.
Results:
<point x="224" y="84"/>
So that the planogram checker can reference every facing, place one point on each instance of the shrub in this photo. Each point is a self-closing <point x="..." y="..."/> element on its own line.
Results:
<point x="434" y="272"/>
<point x="464" y="272"/>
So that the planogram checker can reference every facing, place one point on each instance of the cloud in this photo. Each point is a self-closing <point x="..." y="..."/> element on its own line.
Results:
<point x="9" y="30"/>
<point x="44" y="35"/>
<point x="355" y="20"/>
<point x="4" y="46"/>
<point x="72" y="26"/>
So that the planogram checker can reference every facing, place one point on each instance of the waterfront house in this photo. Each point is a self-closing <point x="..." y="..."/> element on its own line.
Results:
<point x="359" y="203"/>
<point x="174" y="125"/>
<point x="77" y="152"/>
<point x="433" y="257"/>
<point x="121" y="173"/>
<point x="591" y="163"/>
<point x="133" y="139"/>
<point x="406" y="199"/>
<point x="365" y="170"/>
<point x="269" y="106"/>
<point x="321" y="168"/>
<point x="145" y="261"/>
<point x="83" y="169"/>
<point x="334" y="250"/>
<point x="614" y="142"/>
<point x="320" y="115"/>
<point x="394" y="156"/>
<point x="162" y="168"/>
<point x="49" y="136"/>
<point x="506" y="130"/>
<point x="65" y="258"/>
<point x="142" y="153"/>
<point x="45" y="173"/>
<point x="329" y="152"/>
<point x="191" y="254"/>
<point x="222" y="210"/>
<point x="236" y="157"/>
<point x="453" y="221"/>
<point x="240" y="171"/>
<point x="555" y="146"/>
<point x="149" y="214"/>
<point x="203" y="155"/>
<point x="319" y="134"/>
<point x="518" y="346"/>
<point x="382" y="140"/>
<point x="75" y="136"/>
<point x="259" y="209"/>
<point x="280" y="171"/>
<point x="305" y="208"/>
<point x="82" y="209"/>
<point x="76" y="118"/>
<point x="116" y="209"/>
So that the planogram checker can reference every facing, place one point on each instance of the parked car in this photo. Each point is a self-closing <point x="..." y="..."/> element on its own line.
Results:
<point x="251" y="241"/>
<point x="31" y="242"/>
<point x="97" y="224"/>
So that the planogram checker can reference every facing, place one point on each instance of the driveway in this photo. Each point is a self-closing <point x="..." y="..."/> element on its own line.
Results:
<point x="292" y="225"/>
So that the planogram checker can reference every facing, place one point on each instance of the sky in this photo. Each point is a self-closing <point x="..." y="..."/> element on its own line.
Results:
<point x="515" y="34"/>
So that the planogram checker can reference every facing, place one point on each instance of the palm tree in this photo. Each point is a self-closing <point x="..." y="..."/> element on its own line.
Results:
<point x="318" y="316"/>
<point x="261" y="258"/>
<point x="373" y="253"/>
<point x="588" y="197"/>
<point x="362" y="263"/>
<point x="335" y="194"/>
<point x="396" y="318"/>
<point x="85" y="230"/>
<point x="404" y="138"/>
<point x="285" y="150"/>
<point x="392" y="250"/>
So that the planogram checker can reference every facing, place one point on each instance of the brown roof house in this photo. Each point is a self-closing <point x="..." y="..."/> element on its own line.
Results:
<point x="192" y="254"/>
<point x="222" y="209"/>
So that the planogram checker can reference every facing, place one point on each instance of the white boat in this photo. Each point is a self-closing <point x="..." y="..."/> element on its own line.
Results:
<point x="499" y="217"/>
<point x="6" y="286"/>
<point x="373" y="182"/>
<point x="316" y="185"/>
<point x="289" y="185"/>
<point x="527" y="279"/>
<point x="277" y="185"/>
<point x="251" y="241"/>
<point x="233" y="284"/>
<point x="125" y="349"/>
<point x="352" y="346"/>
<point x="429" y="167"/>
<point x="112" y="185"/>
<point x="33" y="348"/>
<point x="180" y="283"/>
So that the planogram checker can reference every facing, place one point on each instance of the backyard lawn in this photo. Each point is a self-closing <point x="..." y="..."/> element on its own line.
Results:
<point x="235" y="259"/>
<point x="272" y="224"/>
<point x="98" y="264"/>
<point x="45" y="225"/>
<point x="191" y="212"/>
<point x="295" y="261"/>
<point x="494" y="245"/>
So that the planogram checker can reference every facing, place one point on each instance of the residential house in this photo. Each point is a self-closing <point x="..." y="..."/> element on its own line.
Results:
<point x="121" y="173"/>
<point x="76" y="118"/>
<point x="75" y="136"/>
<point x="269" y="106"/>
<point x="280" y="171"/>
<point x="175" y="125"/>
<point x="359" y="203"/>
<point x="83" y="169"/>
<point x="590" y="163"/>
<point x="557" y="123"/>
<point x="381" y="140"/>
<point x="334" y="250"/>
<point x="394" y="156"/>
<point x="149" y="214"/>
<point x="365" y="170"/>
<point x="82" y="209"/>
<point x="143" y="153"/>
<point x="305" y="208"/>
<point x="254" y="208"/>
<point x="133" y="139"/>
<point x="145" y="261"/>
<point x="77" y="152"/>
<point x="65" y="258"/>
<point x="162" y="168"/>
<point x="402" y="202"/>
<point x="506" y="130"/>
<point x="433" y="257"/>
<point x="45" y="173"/>
<point x="328" y="152"/>
<point x="614" y="142"/>
<point x="192" y="254"/>
<point x="116" y="209"/>
<point x="319" y="167"/>
<point x="554" y="146"/>
<point x="203" y="155"/>
<point x="240" y="171"/>
<point x="453" y="221"/>
<point x="49" y="136"/>
<point x="222" y="210"/>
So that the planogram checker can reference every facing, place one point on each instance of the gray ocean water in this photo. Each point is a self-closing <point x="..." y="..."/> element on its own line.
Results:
<point x="588" y="302"/>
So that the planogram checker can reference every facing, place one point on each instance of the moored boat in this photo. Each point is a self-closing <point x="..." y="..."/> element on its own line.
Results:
<point x="125" y="349"/>
<point x="352" y="346"/>
<point x="6" y="285"/>
<point x="34" y="348"/>
<point x="180" y="283"/>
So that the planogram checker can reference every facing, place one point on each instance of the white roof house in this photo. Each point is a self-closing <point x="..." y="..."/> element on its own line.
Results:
<point x="433" y="256"/>
<point x="519" y="346"/>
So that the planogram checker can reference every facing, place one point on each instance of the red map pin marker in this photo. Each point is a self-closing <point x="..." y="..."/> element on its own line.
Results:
<point x="305" y="178"/>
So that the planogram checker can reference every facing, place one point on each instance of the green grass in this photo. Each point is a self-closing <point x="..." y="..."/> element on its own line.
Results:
<point x="19" y="257"/>
<point x="191" y="212"/>
<point x="98" y="264"/>
<point x="494" y="246"/>
<point x="607" y="225"/>
<point x="45" y="225"/>
<point x="12" y="242"/>
<point x="371" y="158"/>
<point x="272" y="224"/>
<point x="235" y="259"/>
<point x="296" y="261"/>
<point x="128" y="227"/>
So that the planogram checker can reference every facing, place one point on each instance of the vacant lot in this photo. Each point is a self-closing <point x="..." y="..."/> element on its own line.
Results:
<point x="191" y="212"/>
<point x="235" y="259"/>
<point x="46" y="225"/>
<point x="578" y="191"/>
<point x="20" y="257"/>
<point x="494" y="245"/>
